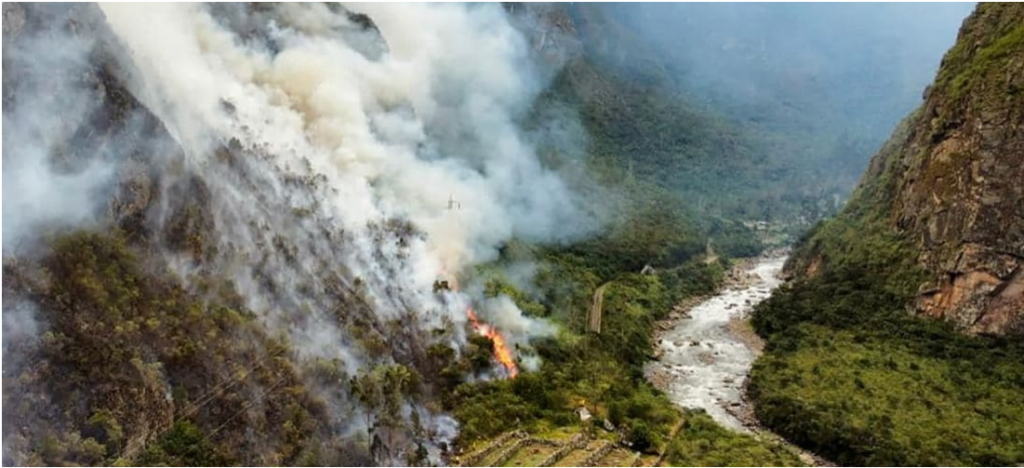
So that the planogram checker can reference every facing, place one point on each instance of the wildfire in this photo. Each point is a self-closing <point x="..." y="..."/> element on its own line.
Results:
<point x="501" y="351"/>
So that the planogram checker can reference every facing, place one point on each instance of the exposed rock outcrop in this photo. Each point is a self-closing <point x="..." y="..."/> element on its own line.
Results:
<point x="950" y="179"/>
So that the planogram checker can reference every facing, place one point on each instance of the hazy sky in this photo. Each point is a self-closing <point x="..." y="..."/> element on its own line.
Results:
<point x="868" y="61"/>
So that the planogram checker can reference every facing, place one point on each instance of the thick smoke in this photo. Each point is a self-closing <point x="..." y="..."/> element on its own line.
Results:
<point x="328" y="164"/>
<point x="436" y="116"/>
<point x="44" y="185"/>
<point x="359" y="128"/>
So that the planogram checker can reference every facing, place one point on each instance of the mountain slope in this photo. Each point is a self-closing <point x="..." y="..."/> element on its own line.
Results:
<point x="192" y="282"/>
<point x="949" y="181"/>
<point x="644" y="126"/>
<point x="898" y="342"/>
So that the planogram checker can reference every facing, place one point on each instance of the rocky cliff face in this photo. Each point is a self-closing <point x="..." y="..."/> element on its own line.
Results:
<point x="951" y="180"/>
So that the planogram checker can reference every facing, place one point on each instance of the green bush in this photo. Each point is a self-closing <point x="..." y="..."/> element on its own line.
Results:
<point x="184" y="445"/>
<point x="702" y="442"/>
<point x="640" y="437"/>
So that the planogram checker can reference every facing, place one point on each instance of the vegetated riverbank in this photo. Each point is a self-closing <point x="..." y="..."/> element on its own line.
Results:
<point x="602" y="372"/>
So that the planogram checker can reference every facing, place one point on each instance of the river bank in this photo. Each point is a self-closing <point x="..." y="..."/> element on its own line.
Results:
<point x="705" y="349"/>
<point x="706" y="346"/>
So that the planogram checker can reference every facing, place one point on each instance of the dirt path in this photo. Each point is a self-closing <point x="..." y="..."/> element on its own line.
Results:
<point x="668" y="441"/>
<point x="594" y="319"/>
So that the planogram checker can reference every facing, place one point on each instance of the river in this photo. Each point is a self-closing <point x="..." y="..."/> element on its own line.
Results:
<point x="704" y="359"/>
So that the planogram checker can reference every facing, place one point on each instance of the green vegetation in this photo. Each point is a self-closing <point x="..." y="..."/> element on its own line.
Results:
<point x="658" y="229"/>
<point x="740" y="161"/>
<point x="657" y="137"/>
<point x="702" y="442"/>
<point x="986" y="59"/>
<point x="850" y="374"/>
<point x="382" y="391"/>
<point x="184" y="445"/>
<point x="972" y="63"/>
<point x="865" y="398"/>
<point x="865" y="276"/>
<point x="603" y="372"/>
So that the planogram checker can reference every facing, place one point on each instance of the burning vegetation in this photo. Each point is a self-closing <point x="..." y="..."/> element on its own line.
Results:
<point x="501" y="350"/>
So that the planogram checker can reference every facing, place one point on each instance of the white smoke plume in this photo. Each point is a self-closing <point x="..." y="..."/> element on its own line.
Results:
<point x="376" y="129"/>
<point x="40" y="123"/>
<point x="328" y="165"/>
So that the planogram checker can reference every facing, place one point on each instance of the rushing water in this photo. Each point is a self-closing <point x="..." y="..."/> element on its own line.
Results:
<point x="703" y="364"/>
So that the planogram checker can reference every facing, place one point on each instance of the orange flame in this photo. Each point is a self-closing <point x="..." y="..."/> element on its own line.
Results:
<point x="501" y="351"/>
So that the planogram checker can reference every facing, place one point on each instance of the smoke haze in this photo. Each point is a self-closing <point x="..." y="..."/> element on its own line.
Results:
<point x="868" y="62"/>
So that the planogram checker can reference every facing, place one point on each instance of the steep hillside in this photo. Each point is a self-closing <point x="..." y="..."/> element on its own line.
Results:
<point x="644" y="127"/>
<point x="898" y="342"/>
<point x="127" y="337"/>
<point x="948" y="181"/>
<point x="961" y="196"/>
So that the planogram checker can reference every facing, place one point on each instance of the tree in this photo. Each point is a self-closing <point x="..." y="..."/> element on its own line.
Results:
<point x="382" y="390"/>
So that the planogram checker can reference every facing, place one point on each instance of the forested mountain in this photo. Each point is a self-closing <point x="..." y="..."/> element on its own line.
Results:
<point x="760" y="111"/>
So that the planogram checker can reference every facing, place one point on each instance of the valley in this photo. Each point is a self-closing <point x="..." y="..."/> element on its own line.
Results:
<point x="513" y="235"/>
